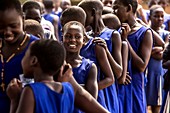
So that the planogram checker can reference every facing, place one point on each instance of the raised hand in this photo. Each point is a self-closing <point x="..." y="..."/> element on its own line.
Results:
<point x="14" y="89"/>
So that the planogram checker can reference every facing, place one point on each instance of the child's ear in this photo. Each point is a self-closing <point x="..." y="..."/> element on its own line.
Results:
<point x="34" y="60"/>
<point x="129" y="8"/>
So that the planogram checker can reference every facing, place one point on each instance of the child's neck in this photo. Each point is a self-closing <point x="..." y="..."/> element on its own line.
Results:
<point x="42" y="77"/>
<point x="156" y="28"/>
<point x="74" y="59"/>
<point x="97" y="29"/>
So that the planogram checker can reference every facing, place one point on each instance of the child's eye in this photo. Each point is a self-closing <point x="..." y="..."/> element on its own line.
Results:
<point x="68" y="36"/>
<point x="77" y="37"/>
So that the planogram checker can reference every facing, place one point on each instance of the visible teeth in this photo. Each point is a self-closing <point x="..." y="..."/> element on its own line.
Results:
<point x="9" y="38"/>
<point x="72" y="45"/>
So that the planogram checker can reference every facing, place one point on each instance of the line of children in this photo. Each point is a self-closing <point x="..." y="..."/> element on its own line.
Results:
<point x="114" y="55"/>
<point x="55" y="96"/>
<point x="89" y="50"/>
<point x="93" y="9"/>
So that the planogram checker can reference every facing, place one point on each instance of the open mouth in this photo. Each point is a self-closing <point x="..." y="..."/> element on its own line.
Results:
<point x="10" y="38"/>
<point x="72" y="46"/>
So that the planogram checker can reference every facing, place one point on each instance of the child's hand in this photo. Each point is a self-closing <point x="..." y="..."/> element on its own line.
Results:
<point x="65" y="73"/>
<point x="125" y="30"/>
<point x="128" y="79"/>
<point x="101" y="42"/>
<point x="14" y="89"/>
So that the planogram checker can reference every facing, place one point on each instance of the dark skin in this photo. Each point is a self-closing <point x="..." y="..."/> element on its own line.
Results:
<point x="140" y="60"/>
<point x="93" y="19"/>
<point x="11" y="26"/>
<point x="156" y="22"/>
<point x="24" y="102"/>
<point x="74" y="58"/>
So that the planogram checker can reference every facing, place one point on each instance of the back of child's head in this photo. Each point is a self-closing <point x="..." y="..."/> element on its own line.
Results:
<point x="65" y="4"/>
<point x="133" y="3"/>
<point x="111" y="21"/>
<point x="163" y="3"/>
<point x="29" y="4"/>
<point x="50" y="55"/>
<point x="33" y="27"/>
<point x="48" y="4"/>
<point x="107" y="10"/>
<point x="154" y="7"/>
<point x="11" y="4"/>
<point x="73" y="23"/>
<point x="73" y="13"/>
<point x="90" y="5"/>
<point x="151" y="3"/>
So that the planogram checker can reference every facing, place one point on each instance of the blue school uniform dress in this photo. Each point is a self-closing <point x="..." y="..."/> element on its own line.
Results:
<point x="88" y="51"/>
<point x="110" y="92"/>
<point x="166" y="21"/>
<point x="81" y="75"/>
<point x="138" y="92"/>
<point x="12" y="69"/>
<point x="50" y="17"/>
<point x="125" y="93"/>
<point x="155" y="78"/>
<point x="49" y="101"/>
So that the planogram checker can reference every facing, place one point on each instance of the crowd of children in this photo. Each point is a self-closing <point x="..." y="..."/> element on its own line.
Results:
<point x="100" y="56"/>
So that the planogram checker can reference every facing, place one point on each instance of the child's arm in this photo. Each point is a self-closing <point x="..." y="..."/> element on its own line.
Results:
<point x="140" y="61"/>
<point x="91" y="84"/>
<point x="157" y="53"/>
<point x="83" y="99"/>
<point x="105" y="67"/>
<point x="117" y="62"/>
<point x="23" y="103"/>
<point x="124" y="51"/>
<point x="116" y="58"/>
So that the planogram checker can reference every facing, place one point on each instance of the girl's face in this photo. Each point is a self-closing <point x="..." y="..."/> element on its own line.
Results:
<point x="11" y="25"/>
<point x="73" y="38"/>
<point x="157" y="18"/>
<point x="120" y="10"/>
<point x="27" y="70"/>
<point x="107" y="3"/>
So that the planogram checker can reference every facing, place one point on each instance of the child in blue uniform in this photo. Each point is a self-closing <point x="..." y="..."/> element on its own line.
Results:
<point x="89" y="51"/>
<point x="155" y="70"/>
<point x="13" y="44"/>
<point x="93" y="9"/>
<point x="55" y="96"/>
<point x="84" y="70"/>
<point x="140" y="45"/>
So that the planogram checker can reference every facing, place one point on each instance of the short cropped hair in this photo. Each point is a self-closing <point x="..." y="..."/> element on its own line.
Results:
<point x="50" y="54"/>
<point x="11" y="4"/>
<point x="133" y="3"/>
<point x="89" y="5"/>
<point x="73" y="13"/>
<point x="29" y="4"/>
<point x="34" y="27"/>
